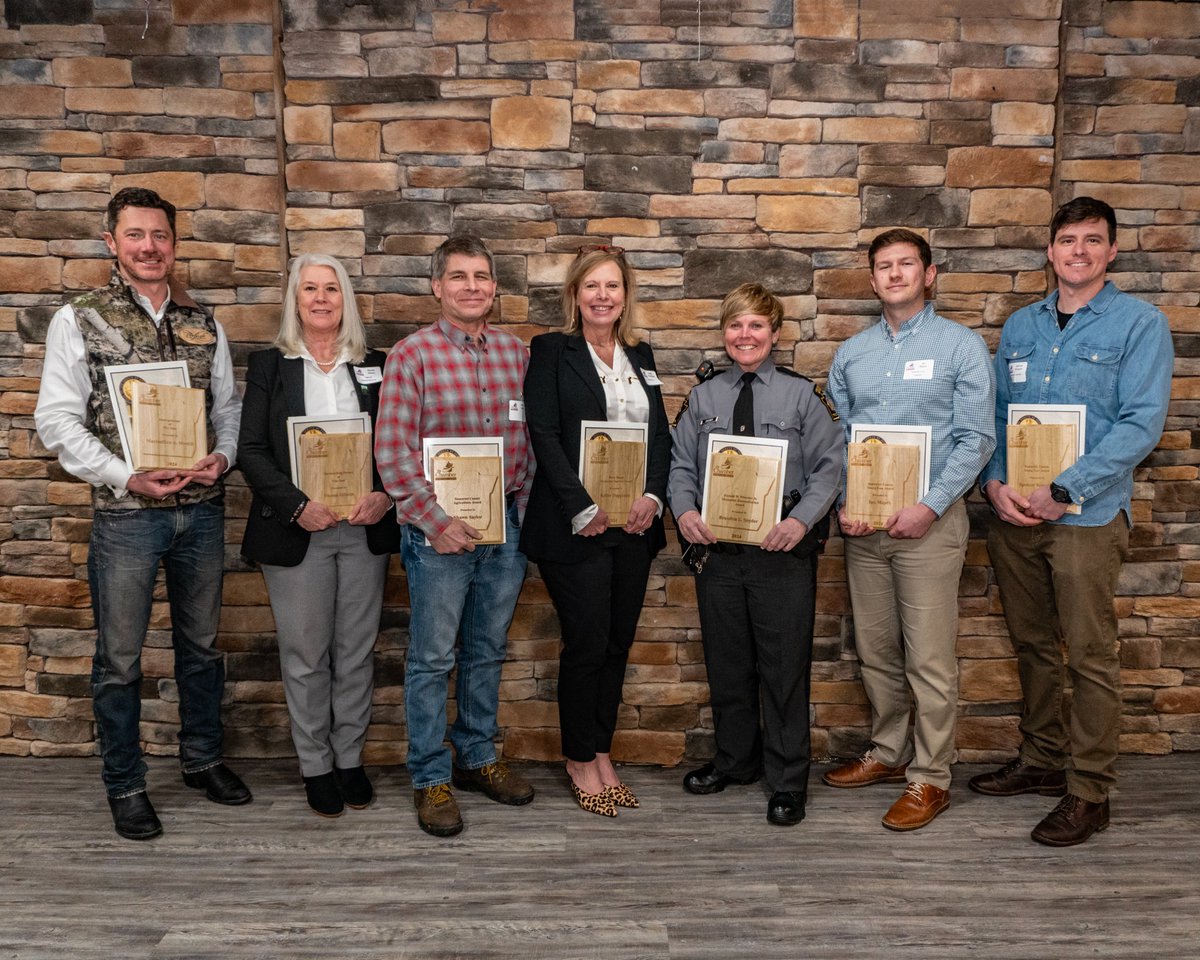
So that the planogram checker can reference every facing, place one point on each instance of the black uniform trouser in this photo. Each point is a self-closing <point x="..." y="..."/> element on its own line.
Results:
<point x="756" y="613"/>
<point x="598" y="602"/>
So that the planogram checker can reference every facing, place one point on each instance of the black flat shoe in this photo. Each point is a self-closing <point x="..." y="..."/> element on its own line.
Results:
<point x="786" y="808"/>
<point x="134" y="817"/>
<point x="707" y="779"/>
<point x="220" y="785"/>
<point x="324" y="797"/>
<point x="355" y="787"/>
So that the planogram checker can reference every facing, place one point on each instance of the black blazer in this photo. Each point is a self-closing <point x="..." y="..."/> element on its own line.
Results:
<point x="274" y="392"/>
<point x="562" y="389"/>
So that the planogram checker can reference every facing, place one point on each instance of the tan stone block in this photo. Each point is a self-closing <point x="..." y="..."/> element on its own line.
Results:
<point x="843" y="284"/>
<point x="518" y="20"/>
<point x="92" y="72"/>
<point x="256" y="323"/>
<point x="356" y="141"/>
<point x="825" y="19"/>
<point x="531" y="123"/>
<point x="662" y="694"/>
<point x="627" y="226"/>
<point x="542" y="744"/>
<point x="1110" y="171"/>
<point x="1169" y="238"/>
<point x="204" y="102"/>
<point x="69" y="494"/>
<point x="1145" y="743"/>
<point x="239" y="191"/>
<point x="771" y="129"/>
<point x="984" y="680"/>
<point x="222" y="11"/>
<point x="528" y="713"/>
<point x="814" y="360"/>
<point x="809" y="214"/>
<point x="608" y="74"/>
<point x="1023" y="119"/>
<point x="1132" y="196"/>
<point x="831" y="186"/>
<point x="20" y="704"/>
<point x="657" y="102"/>
<point x="349" y="244"/>
<point x="658" y="314"/>
<point x="1013" y="206"/>
<point x="250" y="82"/>
<point x="436" y="136"/>
<point x="340" y="177"/>
<point x="1007" y="83"/>
<point x="999" y="167"/>
<point x="999" y="734"/>
<point x="874" y="130"/>
<point x="12" y="661"/>
<point x="30" y="274"/>
<point x="255" y="258"/>
<point x="664" y="748"/>
<point x="244" y="589"/>
<point x="1162" y="168"/>
<point x="155" y="145"/>
<point x="66" y="182"/>
<point x="86" y="274"/>
<point x="203" y="250"/>
<point x="308" y="124"/>
<point x="185" y="189"/>
<point x="838" y="691"/>
<point x="450" y="27"/>
<point x="704" y="207"/>
<point x="322" y="218"/>
<point x="1140" y="19"/>
<point x="34" y="102"/>
<point x="114" y="100"/>
<point x="1142" y="118"/>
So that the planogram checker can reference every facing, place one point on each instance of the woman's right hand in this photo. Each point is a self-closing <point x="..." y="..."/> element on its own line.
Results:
<point x="694" y="529"/>
<point x="316" y="516"/>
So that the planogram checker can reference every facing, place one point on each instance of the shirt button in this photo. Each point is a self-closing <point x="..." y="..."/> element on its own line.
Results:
<point x="1055" y="350"/>
<point x="1014" y="353"/>
<point x="1095" y="356"/>
<point x="888" y="374"/>
<point x="1047" y="380"/>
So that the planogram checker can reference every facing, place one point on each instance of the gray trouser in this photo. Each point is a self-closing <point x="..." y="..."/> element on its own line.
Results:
<point x="327" y="611"/>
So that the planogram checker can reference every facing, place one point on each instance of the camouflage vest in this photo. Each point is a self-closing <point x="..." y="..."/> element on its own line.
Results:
<point x="117" y="330"/>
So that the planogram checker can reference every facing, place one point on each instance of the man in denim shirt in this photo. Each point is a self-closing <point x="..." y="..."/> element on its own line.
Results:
<point x="1086" y="343"/>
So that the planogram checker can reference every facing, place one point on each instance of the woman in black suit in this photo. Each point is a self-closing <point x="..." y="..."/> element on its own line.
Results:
<point x="596" y="574"/>
<point x="324" y="574"/>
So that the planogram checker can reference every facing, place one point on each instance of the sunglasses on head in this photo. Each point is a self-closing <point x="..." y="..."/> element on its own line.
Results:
<point x="600" y="248"/>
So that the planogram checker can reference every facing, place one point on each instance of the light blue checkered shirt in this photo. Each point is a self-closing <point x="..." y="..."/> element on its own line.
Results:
<point x="867" y="384"/>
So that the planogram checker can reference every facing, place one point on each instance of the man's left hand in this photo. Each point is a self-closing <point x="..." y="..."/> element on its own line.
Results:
<point x="1043" y="506"/>
<point x="370" y="509"/>
<point x="209" y="470"/>
<point x="910" y="523"/>
<point x="785" y="535"/>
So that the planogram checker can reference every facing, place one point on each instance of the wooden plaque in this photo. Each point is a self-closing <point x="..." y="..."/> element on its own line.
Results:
<point x="741" y="494"/>
<point x="168" y="426"/>
<point x="471" y="489"/>
<point x="613" y="475"/>
<point x="1037" y="453"/>
<point x="335" y="469"/>
<point x="881" y="478"/>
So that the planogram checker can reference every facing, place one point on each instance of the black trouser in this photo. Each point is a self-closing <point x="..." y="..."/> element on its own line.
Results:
<point x="598" y="601"/>
<point x="756" y="613"/>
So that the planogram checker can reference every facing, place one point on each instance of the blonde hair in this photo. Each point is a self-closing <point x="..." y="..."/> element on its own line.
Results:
<point x="584" y="264"/>
<point x="751" y="298"/>
<point x="352" y="338"/>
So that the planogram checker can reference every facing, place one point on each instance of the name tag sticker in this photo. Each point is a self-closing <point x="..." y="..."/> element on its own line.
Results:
<point x="1017" y="370"/>
<point x="516" y="411"/>
<point x="651" y="378"/>
<point x="368" y="374"/>
<point x="918" y="370"/>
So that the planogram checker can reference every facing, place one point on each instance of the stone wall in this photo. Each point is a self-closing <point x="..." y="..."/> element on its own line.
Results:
<point x="763" y="140"/>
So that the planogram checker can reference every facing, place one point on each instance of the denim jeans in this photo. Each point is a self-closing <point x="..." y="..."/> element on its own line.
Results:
<point x="123" y="558"/>
<point x="468" y="597"/>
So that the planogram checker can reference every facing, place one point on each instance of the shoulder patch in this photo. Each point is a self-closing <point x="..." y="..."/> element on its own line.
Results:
<point x="833" y="414"/>
<point x="682" y="408"/>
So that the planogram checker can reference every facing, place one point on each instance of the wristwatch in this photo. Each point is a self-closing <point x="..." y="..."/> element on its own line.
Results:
<point x="1060" y="494"/>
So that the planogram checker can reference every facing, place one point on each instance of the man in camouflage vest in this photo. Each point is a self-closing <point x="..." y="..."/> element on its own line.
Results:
<point x="176" y="517"/>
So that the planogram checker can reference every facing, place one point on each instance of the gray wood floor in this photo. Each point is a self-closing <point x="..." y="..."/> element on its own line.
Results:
<point x="683" y="877"/>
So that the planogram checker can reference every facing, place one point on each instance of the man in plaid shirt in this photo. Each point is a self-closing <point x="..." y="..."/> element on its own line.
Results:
<point x="458" y="377"/>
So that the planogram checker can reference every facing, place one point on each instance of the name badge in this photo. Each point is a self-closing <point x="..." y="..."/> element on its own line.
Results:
<point x="1017" y="370"/>
<point x="651" y="378"/>
<point x="368" y="374"/>
<point x="516" y="411"/>
<point x="918" y="370"/>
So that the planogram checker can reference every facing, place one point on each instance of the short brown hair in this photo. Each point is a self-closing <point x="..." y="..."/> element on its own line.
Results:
<point x="1081" y="209"/>
<point x="900" y="235"/>
<point x="137" y="197"/>
<point x="584" y="264"/>
<point x="752" y="298"/>
<point x="467" y="246"/>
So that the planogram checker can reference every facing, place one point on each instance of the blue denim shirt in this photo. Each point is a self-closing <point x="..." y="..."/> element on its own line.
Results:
<point x="1116" y="356"/>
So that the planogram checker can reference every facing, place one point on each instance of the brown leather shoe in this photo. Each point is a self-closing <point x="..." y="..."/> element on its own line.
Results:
<point x="496" y="781"/>
<point x="917" y="806"/>
<point x="1071" y="822"/>
<point x="1017" y="777"/>
<point x="863" y="772"/>
<point x="437" y="810"/>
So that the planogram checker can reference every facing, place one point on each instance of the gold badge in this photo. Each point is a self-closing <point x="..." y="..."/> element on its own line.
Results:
<point x="197" y="336"/>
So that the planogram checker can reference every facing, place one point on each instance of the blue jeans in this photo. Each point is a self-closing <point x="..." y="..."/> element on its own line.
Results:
<point x="123" y="558"/>
<point x="468" y="596"/>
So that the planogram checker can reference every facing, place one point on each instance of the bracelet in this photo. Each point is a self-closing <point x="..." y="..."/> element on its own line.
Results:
<point x="299" y="510"/>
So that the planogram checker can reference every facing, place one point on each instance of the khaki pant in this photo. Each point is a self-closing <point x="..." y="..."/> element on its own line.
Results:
<point x="1057" y="584"/>
<point x="904" y="594"/>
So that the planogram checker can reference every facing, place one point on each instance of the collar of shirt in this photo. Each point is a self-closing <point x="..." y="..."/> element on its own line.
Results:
<point x="303" y="354"/>
<point x="909" y="326"/>
<point x="765" y="371"/>
<point x="460" y="338"/>
<point x="1098" y="305"/>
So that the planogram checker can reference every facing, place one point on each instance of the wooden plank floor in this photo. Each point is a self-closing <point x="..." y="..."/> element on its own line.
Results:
<point x="683" y="877"/>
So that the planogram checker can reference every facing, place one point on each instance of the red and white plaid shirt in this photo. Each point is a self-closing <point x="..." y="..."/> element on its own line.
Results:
<point x="439" y="382"/>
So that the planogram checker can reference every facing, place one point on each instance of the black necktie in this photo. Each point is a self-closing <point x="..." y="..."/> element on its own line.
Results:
<point x="743" y="409"/>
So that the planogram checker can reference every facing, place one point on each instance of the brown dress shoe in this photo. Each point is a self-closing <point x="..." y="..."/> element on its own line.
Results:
<point x="863" y="772"/>
<point x="917" y="806"/>
<point x="496" y="781"/>
<point x="1017" y="777"/>
<point x="1071" y="822"/>
<point x="437" y="810"/>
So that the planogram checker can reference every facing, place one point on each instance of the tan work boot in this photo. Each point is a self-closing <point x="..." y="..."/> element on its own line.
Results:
<point x="437" y="810"/>
<point x="497" y="781"/>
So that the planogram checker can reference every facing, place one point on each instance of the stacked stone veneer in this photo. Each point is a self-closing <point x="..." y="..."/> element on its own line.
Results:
<point x="740" y="140"/>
